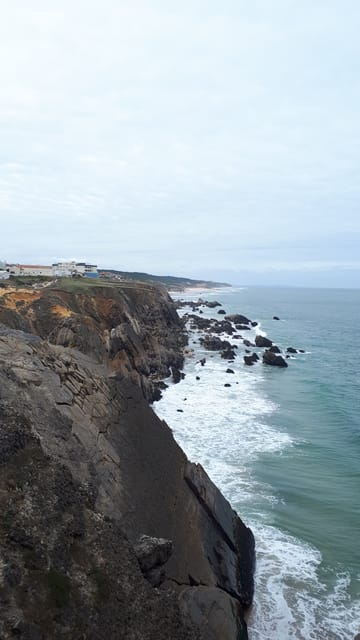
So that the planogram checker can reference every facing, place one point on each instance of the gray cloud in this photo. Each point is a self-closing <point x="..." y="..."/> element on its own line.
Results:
<point x="173" y="137"/>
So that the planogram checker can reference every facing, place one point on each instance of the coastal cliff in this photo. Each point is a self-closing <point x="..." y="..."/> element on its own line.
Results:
<point x="103" y="518"/>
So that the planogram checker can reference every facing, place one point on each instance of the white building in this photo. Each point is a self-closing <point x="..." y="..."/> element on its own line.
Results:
<point x="29" y="270"/>
<point x="73" y="268"/>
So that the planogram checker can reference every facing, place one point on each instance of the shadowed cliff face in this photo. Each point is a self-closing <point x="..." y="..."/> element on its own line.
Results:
<point x="86" y="468"/>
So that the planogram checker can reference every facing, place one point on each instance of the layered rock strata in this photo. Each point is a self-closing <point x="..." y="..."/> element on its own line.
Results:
<point x="103" y="518"/>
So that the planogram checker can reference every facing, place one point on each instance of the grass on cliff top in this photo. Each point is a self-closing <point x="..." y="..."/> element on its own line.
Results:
<point x="88" y="285"/>
<point x="74" y="285"/>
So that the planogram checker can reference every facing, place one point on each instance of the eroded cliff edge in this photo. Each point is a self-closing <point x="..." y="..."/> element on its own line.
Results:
<point x="86" y="468"/>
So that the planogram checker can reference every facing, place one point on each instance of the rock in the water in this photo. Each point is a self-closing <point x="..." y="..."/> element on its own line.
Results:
<point x="228" y="354"/>
<point x="250" y="360"/>
<point x="247" y="343"/>
<point x="275" y="349"/>
<point x="275" y="360"/>
<point x="237" y="318"/>
<point x="176" y="375"/>
<point x="221" y="312"/>
<point x="261" y="341"/>
<point x="230" y="371"/>
<point x="213" y="343"/>
<point x="291" y="350"/>
<point x="227" y="384"/>
<point x="276" y="318"/>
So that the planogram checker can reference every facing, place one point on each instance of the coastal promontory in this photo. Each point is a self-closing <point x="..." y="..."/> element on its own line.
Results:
<point x="107" y="529"/>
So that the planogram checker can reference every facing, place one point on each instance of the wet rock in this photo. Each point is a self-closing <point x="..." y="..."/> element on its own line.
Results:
<point x="227" y="384"/>
<point x="230" y="371"/>
<point x="250" y="360"/>
<point x="291" y="350"/>
<point x="213" y="343"/>
<point x="275" y="349"/>
<point x="273" y="359"/>
<point x="276" y="318"/>
<point x="228" y="354"/>
<point x="221" y="312"/>
<point x="176" y="375"/>
<point x="237" y="318"/>
<point x="248" y="343"/>
<point x="261" y="341"/>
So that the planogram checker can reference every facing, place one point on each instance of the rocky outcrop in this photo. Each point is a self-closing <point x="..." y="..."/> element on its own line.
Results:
<point x="269" y="357"/>
<point x="133" y="329"/>
<point x="261" y="341"/>
<point x="99" y="502"/>
<point x="237" y="318"/>
<point x="213" y="343"/>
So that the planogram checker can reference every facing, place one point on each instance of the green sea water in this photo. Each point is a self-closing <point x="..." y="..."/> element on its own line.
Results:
<point x="284" y="447"/>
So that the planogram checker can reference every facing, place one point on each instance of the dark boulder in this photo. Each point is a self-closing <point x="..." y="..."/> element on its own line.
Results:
<point x="242" y="327"/>
<point x="228" y="354"/>
<point x="276" y="318"/>
<point x="221" y="312"/>
<point x="275" y="349"/>
<point x="273" y="359"/>
<point x="229" y="371"/>
<point x="237" y="318"/>
<point x="250" y="360"/>
<point x="254" y="323"/>
<point x="152" y="554"/>
<point x="176" y="375"/>
<point x="291" y="350"/>
<point x="261" y="341"/>
<point x="224" y="326"/>
<point x="247" y="343"/>
<point x="213" y="343"/>
<point x="227" y="384"/>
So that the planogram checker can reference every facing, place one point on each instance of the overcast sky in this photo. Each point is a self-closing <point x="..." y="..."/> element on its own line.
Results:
<point x="197" y="137"/>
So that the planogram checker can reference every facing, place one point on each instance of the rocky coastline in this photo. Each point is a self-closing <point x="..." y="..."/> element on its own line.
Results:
<point x="225" y="335"/>
<point x="108" y="531"/>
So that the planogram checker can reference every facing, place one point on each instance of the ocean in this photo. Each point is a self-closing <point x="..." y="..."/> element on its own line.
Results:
<point x="283" y="445"/>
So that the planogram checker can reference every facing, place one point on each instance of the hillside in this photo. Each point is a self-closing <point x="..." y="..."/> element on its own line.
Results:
<point x="170" y="282"/>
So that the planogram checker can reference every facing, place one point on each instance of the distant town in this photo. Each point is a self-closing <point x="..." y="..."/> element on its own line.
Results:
<point x="58" y="269"/>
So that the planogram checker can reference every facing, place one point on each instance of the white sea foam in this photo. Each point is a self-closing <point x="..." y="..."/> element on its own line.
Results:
<point x="226" y="429"/>
<point x="292" y="603"/>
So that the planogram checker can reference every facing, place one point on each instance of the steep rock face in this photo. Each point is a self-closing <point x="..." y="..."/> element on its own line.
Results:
<point x="86" y="423"/>
<point x="135" y="330"/>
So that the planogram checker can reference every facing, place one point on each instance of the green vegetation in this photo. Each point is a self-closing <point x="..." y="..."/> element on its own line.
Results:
<point x="59" y="586"/>
<point x="171" y="282"/>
